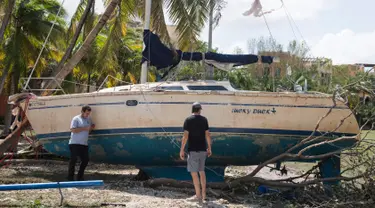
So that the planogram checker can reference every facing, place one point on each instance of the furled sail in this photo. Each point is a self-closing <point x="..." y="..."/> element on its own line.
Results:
<point x="160" y="56"/>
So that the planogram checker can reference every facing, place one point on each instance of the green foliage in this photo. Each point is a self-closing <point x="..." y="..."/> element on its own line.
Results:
<point x="36" y="204"/>
<point x="29" y="26"/>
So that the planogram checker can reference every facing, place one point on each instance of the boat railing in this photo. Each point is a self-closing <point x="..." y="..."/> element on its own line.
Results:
<point x="114" y="88"/>
<point x="38" y="86"/>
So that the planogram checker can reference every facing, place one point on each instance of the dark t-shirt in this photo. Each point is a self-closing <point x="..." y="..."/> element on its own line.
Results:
<point x="196" y="125"/>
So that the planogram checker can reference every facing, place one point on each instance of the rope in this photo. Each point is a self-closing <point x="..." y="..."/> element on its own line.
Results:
<point x="269" y="30"/>
<point x="289" y="21"/>
<point x="44" y="44"/>
<point x="290" y="16"/>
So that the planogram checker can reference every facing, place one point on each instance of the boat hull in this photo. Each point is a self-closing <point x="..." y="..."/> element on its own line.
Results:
<point x="162" y="149"/>
<point x="145" y="128"/>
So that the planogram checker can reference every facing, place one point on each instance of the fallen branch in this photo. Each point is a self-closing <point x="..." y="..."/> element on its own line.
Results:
<point x="325" y="142"/>
<point x="13" y="137"/>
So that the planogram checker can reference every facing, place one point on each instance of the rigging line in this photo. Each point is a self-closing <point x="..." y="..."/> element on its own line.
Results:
<point x="299" y="31"/>
<point x="289" y="21"/>
<point x="269" y="30"/>
<point x="44" y="44"/>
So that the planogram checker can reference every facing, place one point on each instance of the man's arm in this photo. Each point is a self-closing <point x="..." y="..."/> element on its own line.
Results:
<point x="92" y="125"/>
<point x="184" y="140"/>
<point x="74" y="127"/>
<point x="208" y="139"/>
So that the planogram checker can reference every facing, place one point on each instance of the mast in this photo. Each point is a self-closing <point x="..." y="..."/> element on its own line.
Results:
<point x="210" y="69"/>
<point x="144" y="70"/>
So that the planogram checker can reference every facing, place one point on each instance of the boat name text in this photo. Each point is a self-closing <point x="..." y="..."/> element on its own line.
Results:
<point x="37" y="103"/>
<point x="253" y="111"/>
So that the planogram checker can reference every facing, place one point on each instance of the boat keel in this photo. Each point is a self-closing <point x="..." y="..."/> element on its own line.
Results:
<point x="330" y="168"/>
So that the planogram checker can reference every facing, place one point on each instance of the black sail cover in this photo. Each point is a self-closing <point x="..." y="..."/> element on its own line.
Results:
<point x="160" y="56"/>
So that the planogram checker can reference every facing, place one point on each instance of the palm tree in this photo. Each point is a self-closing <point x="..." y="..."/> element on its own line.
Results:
<point x="76" y="58"/>
<point x="88" y="6"/>
<point x="6" y="18"/>
<point x="27" y="30"/>
<point x="30" y="26"/>
<point x="189" y="16"/>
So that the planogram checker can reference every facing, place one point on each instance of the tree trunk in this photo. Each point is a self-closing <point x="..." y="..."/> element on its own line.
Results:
<point x="8" y="111"/>
<point x="73" y="42"/>
<point x="76" y="58"/>
<point x="3" y="78"/>
<point x="8" y="13"/>
<point x="89" y="81"/>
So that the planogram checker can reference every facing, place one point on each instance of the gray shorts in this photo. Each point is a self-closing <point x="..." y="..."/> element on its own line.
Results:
<point x="196" y="161"/>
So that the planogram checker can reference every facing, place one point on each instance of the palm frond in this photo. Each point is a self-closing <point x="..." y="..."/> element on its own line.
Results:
<point x="158" y="23"/>
<point x="75" y="18"/>
<point x="190" y="17"/>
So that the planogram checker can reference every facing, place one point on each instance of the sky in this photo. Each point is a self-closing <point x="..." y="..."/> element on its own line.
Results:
<point x="341" y="30"/>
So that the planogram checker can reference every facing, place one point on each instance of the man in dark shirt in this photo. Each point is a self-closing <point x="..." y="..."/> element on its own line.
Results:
<point x="196" y="132"/>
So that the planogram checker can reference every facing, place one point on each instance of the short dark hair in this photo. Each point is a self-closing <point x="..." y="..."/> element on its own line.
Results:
<point x="86" y="108"/>
<point x="196" y="107"/>
<point x="195" y="110"/>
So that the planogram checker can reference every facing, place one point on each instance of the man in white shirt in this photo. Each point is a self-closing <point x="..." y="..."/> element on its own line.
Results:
<point x="80" y="127"/>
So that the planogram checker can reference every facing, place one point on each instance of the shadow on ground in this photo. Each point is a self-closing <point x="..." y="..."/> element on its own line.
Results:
<point x="116" y="177"/>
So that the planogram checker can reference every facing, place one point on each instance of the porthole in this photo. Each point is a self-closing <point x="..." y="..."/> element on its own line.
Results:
<point x="131" y="103"/>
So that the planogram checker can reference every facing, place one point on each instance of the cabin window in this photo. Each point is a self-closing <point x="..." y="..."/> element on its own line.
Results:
<point x="171" y="88"/>
<point x="213" y="88"/>
<point x="131" y="103"/>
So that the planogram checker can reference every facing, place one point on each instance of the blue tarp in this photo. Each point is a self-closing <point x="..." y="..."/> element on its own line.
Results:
<point x="162" y="57"/>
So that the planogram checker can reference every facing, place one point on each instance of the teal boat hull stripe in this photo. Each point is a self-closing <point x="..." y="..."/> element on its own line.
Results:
<point x="212" y="129"/>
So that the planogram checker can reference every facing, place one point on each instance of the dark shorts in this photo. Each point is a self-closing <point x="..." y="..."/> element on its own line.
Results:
<point x="196" y="161"/>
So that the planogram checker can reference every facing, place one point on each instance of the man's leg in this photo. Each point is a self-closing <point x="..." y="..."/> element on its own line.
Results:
<point x="72" y="161"/>
<point x="193" y="168"/>
<point x="84" y="154"/>
<point x="202" y="174"/>
<point x="197" y="187"/>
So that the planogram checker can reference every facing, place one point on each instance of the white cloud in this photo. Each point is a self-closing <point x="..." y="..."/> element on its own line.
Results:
<point x="347" y="47"/>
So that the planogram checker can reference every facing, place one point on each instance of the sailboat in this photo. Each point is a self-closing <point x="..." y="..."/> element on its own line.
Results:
<point x="141" y="124"/>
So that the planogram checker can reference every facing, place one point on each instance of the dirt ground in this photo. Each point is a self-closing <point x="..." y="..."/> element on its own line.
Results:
<point x="120" y="189"/>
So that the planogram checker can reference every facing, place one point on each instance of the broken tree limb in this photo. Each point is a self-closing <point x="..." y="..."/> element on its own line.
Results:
<point x="325" y="142"/>
<point x="246" y="180"/>
<point x="305" y="141"/>
<point x="13" y="137"/>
